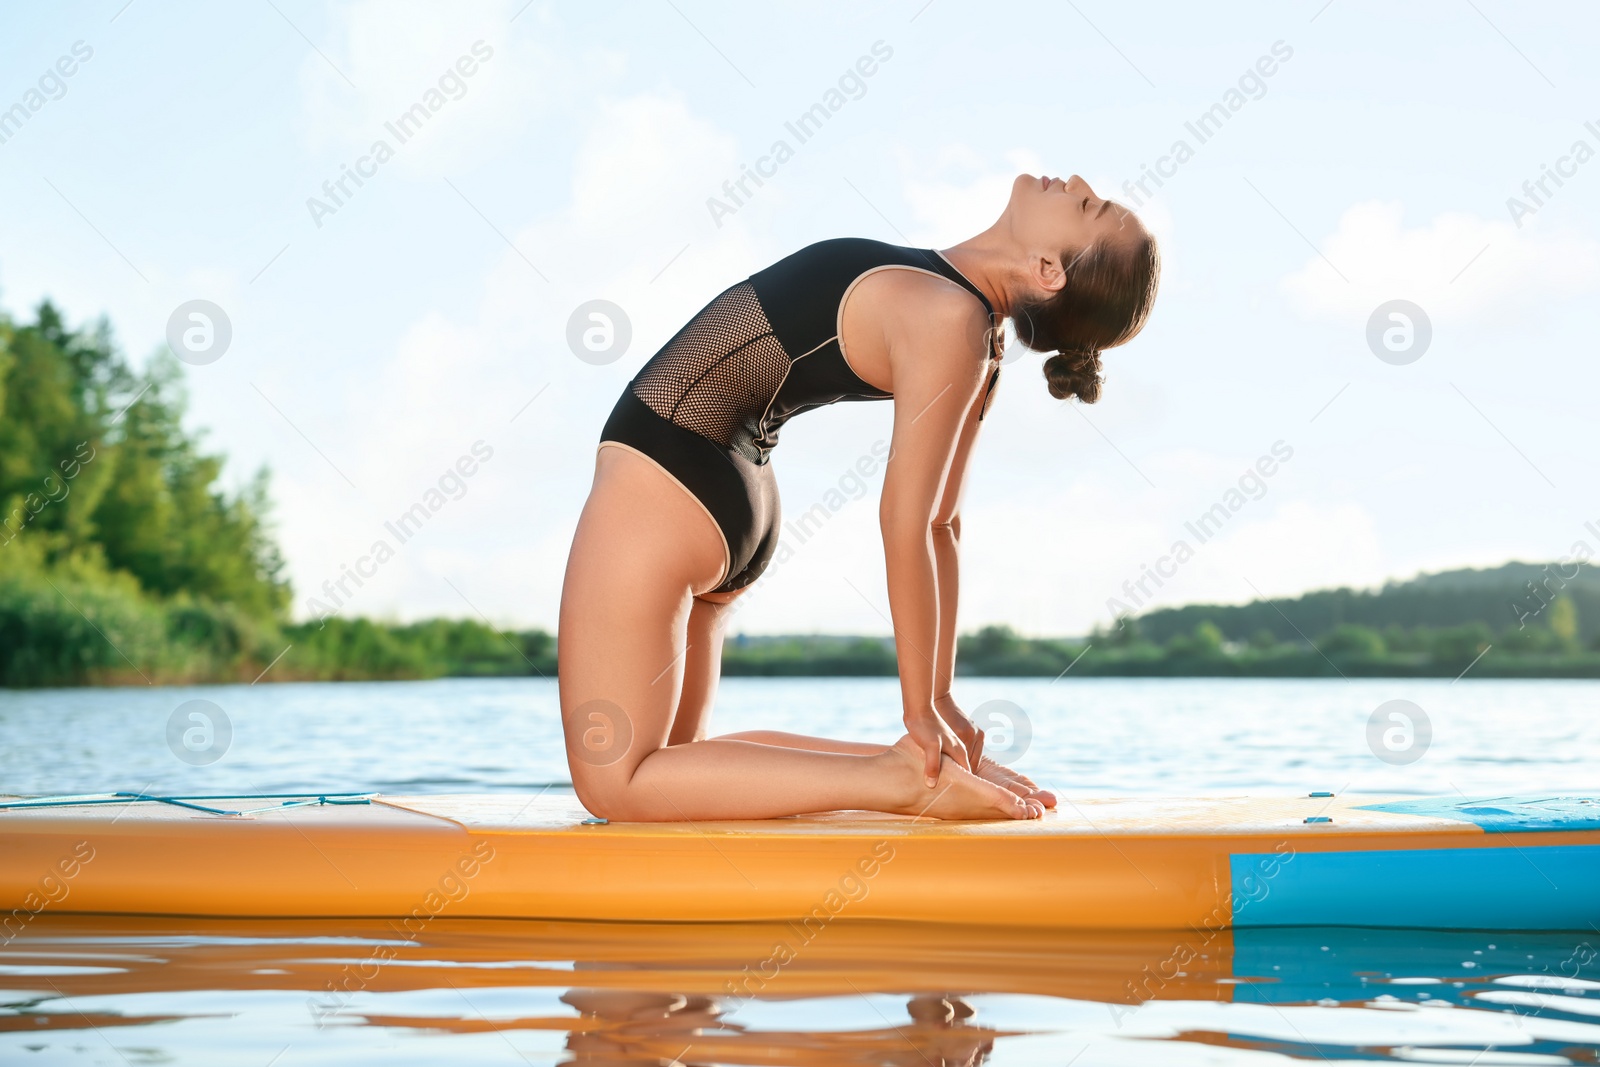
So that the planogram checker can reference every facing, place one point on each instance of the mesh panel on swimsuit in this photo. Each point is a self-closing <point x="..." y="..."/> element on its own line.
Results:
<point x="717" y="375"/>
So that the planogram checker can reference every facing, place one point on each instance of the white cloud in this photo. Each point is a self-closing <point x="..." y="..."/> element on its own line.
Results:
<point x="961" y="193"/>
<point x="396" y="51"/>
<point x="1458" y="265"/>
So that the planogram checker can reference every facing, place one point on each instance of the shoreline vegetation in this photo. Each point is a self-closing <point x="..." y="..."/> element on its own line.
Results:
<point x="122" y="561"/>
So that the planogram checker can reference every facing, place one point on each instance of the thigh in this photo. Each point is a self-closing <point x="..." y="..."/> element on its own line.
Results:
<point x="642" y="550"/>
<point x="702" y="665"/>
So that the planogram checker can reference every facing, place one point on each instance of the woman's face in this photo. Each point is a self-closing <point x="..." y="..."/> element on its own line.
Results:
<point x="1049" y="216"/>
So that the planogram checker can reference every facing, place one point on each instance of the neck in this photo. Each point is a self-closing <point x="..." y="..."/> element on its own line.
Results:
<point x="986" y="260"/>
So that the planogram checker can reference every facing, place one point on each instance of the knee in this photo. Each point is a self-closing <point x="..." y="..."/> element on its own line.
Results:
<point x="597" y="793"/>
<point x="609" y="797"/>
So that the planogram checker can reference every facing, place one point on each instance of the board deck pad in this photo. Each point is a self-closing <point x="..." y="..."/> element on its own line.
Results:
<point x="1505" y="815"/>
<point x="1525" y="863"/>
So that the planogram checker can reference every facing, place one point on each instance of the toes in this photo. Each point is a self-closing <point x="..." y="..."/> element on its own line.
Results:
<point x="1016" y="787"/>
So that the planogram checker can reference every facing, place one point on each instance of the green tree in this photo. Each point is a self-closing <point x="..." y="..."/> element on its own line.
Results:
<point x="1205" y="642"/>
<point x="1125" y="634"/>
<point x="1263" y="640"/>
<point x="1460" y="644"/>
<point x="1208" y="638"/>
<point x="1352" y="642"/>
<point x="1397" y="638"/>
<point x="1530" y="637"/>
<point x="95" y="464"/>
<point x="991" y="643"/>
<point x="1564" y="623"/>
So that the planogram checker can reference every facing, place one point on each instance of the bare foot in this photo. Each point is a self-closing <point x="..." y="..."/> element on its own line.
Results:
<point x="959" y="793"/>
<point x="1018" y="783"/>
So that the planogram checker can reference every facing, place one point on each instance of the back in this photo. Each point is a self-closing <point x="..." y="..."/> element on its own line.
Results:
<point x="767" y="348"/>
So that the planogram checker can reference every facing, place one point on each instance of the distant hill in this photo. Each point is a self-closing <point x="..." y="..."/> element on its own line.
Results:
<point x="1499" y="597"/>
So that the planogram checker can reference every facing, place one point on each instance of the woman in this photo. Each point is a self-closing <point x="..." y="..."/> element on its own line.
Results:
<point x="684" y="515"/>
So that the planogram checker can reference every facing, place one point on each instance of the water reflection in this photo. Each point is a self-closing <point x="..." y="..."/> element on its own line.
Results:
<point x="177" y="990"/>
<point x="626" y="1027"/>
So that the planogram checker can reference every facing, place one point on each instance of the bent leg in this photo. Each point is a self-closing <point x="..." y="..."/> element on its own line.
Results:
<point x="702" y="667"/>
<point x="784" y="739"/>
<point x="642" y="552"/>
<point x="988" y="769"/>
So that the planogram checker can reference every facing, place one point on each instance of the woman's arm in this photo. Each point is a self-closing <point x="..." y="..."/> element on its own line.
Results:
<point x="937" y="376"/>
<point x="947" y="550"/>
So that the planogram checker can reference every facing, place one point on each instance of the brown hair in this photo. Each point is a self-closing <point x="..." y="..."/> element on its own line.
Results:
<point x="1107" y="297"/>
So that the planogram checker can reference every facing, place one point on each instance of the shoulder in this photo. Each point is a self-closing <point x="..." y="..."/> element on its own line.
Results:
<point x="832" y="254"/>
<point x="937" y="312"/>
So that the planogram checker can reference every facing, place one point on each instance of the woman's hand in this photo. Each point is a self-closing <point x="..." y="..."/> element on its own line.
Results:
<point x="963" y="727"/>
<point x="934" y="736"/>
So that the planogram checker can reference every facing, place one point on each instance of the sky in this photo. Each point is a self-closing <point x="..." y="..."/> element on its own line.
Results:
<point x="384" y="337"/>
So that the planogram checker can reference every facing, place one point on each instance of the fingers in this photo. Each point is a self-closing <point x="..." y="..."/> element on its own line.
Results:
<point x="957" y="751"/>
<point x="965" y="730"/>
<point x="930" y="762"/>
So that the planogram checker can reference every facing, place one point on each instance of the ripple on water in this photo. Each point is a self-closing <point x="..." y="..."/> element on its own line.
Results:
<point x="855" y="994"/>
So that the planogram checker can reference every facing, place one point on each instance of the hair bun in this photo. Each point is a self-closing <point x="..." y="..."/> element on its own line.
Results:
<point x="1074" y="372"/>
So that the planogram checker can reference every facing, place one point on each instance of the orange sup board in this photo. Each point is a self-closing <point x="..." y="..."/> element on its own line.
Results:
<point x="1141" y="863"/>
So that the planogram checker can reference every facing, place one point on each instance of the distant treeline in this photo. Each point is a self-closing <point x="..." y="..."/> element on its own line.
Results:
<point x="1349" y="651"/>
<point x="1507" y="599"/>
<point x="122" y="560"/>
<point x="1520" y="620"/>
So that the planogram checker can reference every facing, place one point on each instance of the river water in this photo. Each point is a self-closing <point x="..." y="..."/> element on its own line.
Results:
<point x="124" y="991"/>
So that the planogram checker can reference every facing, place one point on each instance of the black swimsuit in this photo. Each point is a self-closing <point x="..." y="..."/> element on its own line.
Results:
<point x="708" y="406"/>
